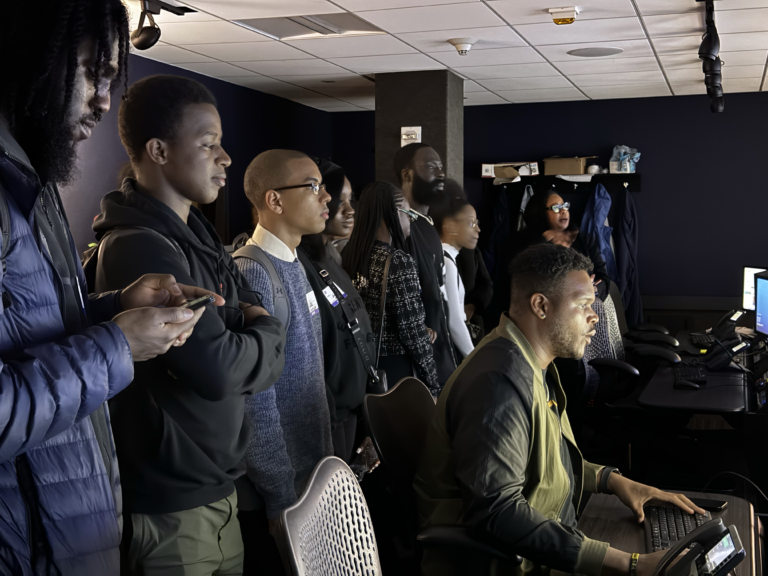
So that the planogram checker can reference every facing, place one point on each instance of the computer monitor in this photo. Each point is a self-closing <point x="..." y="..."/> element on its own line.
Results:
<point x="749" y="287"/>
<point x="761" y="303"/>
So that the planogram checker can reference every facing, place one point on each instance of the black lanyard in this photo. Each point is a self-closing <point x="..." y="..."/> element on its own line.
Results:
<point x="350" y="319"/>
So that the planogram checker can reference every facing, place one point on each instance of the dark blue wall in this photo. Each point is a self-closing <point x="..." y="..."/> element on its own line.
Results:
<point x="252" y="122"/>
<point x="702" y="208"/>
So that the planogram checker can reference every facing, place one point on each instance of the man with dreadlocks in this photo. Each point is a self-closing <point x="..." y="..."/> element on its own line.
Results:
<point x="59" y="486"/>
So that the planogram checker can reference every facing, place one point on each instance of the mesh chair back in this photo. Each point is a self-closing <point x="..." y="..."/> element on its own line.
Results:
<point x="606" y="343"/>
<point x="615" y="295"/>
<point x="328" y="532"/>
<point x="398" y="422"/>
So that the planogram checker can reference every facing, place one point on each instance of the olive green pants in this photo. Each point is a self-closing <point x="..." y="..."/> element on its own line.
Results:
<point x="204" y="541"/>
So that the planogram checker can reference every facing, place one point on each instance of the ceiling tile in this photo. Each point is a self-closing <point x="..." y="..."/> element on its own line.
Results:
<point x="333" y="84"/>
<point x="508" y="71"/>
<point x="437" y="41"/>
<point x="619" y="78"/>
<point x="688" y="87"/>
<point x="740" y="21"/>
<point x="675" y="24"/>
<point x="534" y="11"/>
<point x="249" y="51"/>
<point x="632" y="49"/>
<point x="582" y="31"/>
<point x="676" y="61"/>
<point x="318" y="100"/>
<point x="379" y="45"/>
<point x="361" y="5"/>
<point x="683" y="87"/>
<point x="630" y="91"/>
<point x="240" y="9"/>
<point x="648" y="7"/>
<point x="446" y="17"/>
<point x="677" y="45"/>
<point x="526" y="83"/>
<point x="134" y="12"/>
<point x="208" y="33"/>
<point x="171" y="55"/>
<point x="729" y="72"/>
<point x="376" y="64"/>
<point x="558" y="94"/>
<point x="522" y="55"/>
<point x="367" y="102"/>
<point x="333" y="109"/>
<point x="608" y="65"/>
<point x="216" y="69"/>
<point x="278" y="68"/>
<point x="470" y="86"/>
<point x="482" y="98"/>
<point x="728" y="43"/>
<point x="260" y="83"/>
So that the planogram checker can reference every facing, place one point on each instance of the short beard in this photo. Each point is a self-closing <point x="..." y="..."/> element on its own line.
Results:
<point x="426" y="193"/>
<point x="50" y="145"/>
<point x="563" y="344"/>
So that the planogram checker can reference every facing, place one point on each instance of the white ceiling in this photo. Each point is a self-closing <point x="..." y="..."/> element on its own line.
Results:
<point x="520" y="56"/>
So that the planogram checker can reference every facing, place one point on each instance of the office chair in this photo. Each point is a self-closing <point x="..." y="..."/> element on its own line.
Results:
<point x="328" y="532"/>
<point x="398" y="422"/>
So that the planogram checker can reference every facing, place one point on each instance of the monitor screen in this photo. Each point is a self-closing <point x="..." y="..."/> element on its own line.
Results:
<point x="749" y="287"/>
<point x="761" y="305"/>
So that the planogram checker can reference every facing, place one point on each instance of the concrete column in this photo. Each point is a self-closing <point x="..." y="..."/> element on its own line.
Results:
<point x="433" y="100"/>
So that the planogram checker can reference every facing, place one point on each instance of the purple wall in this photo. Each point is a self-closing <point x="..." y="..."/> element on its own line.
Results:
<point x="702" y="208"/>
<point x="252" y="122"/>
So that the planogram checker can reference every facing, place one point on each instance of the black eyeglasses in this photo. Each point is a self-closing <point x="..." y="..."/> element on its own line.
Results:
<point x="313" y="185"/>
<point x="556" y="208"/>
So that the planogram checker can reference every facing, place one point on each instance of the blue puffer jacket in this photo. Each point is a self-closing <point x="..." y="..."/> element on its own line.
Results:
<point x="60" y="505"/>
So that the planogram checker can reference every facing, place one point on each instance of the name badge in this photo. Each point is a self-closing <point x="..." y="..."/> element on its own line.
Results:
<point x="330" y="296"/>
<point x="312" y="303"/>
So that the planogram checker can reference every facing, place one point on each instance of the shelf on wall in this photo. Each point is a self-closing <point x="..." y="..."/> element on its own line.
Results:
<point x="610" y="181"/>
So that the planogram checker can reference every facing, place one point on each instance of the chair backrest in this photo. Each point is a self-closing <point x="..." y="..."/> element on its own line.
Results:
<point x="615" y="295"/>
<point x="328" y="532"/>
<point x="398" y="421"/>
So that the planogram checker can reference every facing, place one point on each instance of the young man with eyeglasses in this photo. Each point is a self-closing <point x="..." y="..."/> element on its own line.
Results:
<point x="420" y="175"/>
<point x="291" y="420"/>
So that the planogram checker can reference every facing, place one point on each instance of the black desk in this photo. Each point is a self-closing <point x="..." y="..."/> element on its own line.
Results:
<point x="606" y="519"/>
<point x="724" y="393"/>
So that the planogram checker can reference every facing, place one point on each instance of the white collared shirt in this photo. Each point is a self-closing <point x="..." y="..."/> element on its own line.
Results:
<point x="271" y="244"/>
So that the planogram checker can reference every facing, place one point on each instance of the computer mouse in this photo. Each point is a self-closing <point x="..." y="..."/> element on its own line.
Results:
<point x="685" y="385"/>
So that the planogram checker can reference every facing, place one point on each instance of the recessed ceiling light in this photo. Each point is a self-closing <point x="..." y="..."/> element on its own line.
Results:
<point x="595" y="52"/>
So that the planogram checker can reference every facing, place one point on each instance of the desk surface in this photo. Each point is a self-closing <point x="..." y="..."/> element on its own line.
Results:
<point x="606" y="519"/>
<point x="724" y="392"/>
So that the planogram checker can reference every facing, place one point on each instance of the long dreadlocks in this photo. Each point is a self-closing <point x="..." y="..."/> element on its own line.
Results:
<point x="39" y="44"/>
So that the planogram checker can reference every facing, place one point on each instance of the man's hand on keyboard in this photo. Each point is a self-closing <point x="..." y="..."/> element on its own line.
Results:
<point x="635" y="495"/>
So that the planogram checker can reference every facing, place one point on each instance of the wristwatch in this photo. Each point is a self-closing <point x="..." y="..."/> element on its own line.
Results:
<point x="602" y="487"/>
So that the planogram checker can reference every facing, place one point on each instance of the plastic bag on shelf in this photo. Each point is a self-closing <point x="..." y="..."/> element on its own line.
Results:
<point x="624" y="160"/>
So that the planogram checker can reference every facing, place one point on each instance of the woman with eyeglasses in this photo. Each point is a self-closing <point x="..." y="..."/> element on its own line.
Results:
<point x="548" y="219"/>
<point x="382" y="226"/>
<point x="457" y="224"/>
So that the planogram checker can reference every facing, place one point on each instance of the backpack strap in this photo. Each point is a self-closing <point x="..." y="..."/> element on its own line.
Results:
<point x="5" y="227"/>
<point x="279" y="296"/>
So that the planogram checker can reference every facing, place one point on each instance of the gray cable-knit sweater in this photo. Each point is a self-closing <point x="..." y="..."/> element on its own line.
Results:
<point x="291" y="421"/>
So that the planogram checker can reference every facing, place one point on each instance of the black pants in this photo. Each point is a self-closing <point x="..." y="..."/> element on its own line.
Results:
<point x="262" y="558"/>
<point x="344" y="438"/>
<point x="396" y="367"/>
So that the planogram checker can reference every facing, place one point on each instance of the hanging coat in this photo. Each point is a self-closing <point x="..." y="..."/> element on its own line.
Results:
<point x="594" y="225"/>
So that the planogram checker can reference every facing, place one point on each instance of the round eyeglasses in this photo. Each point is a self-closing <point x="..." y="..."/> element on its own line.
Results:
<point x="313" y="185"/>
<point x="557" y="208"/>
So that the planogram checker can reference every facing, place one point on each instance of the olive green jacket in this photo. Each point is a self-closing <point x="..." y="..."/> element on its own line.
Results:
<point x="492" y="459"/>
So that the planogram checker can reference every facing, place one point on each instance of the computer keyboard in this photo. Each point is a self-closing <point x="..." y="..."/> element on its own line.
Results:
<point x="666" y="525"/>
<point x="702" y="339"/>
<point x="690" y="373"/>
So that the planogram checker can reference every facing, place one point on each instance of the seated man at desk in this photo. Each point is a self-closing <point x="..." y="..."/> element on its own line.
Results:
<point x="500" y="456"/>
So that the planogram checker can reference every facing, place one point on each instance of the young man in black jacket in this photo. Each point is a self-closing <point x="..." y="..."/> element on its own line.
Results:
<point x="420" y="175"/>
<point x="180" y="428"/>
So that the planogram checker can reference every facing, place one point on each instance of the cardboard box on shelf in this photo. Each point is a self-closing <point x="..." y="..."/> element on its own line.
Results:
<point x="616" y="167"/>
<point x="557" y="165"/>
<point x="514" y="169"/>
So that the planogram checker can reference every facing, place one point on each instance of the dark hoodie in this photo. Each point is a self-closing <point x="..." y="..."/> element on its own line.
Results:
<point x="180" y="428"/>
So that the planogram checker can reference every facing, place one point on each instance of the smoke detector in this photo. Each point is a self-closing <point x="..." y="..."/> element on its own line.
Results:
<point x="566" y="15"/>
<point x="462" y="45"/>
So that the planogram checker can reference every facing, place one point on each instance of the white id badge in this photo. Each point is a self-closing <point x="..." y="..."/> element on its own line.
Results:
<point x="312" y="303"/>
<point x="330" y="296"/>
